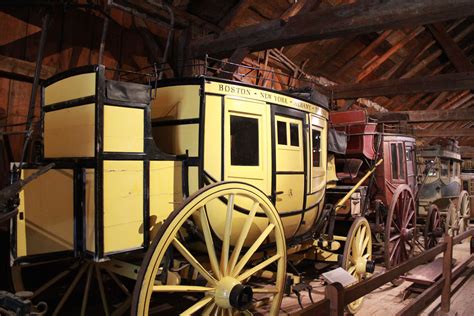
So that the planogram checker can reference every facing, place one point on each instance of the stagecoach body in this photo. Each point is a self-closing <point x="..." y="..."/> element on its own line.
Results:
<point x="442" y="198"/>
<point x="224" y="167"/>
<point x="386" y="198"/>
<point x="121" y="166"/>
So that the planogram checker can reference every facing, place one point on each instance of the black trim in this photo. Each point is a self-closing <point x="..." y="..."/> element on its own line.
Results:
<point x="69" y="103"/>
<point x="70" y="73"/>
<point x="175" y="122"/>
<point x="290" y="172"/>
<point x="146" y="203"/>
<point x="202" y="114"/>
<point x="125" y="104"/>
<point x="79" y="213"/>
<point x="45" y="257"/>
<point x="222" y="137"/>
<point x="99" y="170"/>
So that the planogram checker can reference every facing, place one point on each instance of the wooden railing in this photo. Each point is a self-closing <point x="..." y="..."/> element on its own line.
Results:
<point x="337" y="297"/>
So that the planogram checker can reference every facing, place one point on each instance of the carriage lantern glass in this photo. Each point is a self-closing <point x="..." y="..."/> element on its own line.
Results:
<point x="244" y="141"/>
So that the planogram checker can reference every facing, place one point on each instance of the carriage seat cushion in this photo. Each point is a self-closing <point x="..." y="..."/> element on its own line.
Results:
<point x="350" y="168"/>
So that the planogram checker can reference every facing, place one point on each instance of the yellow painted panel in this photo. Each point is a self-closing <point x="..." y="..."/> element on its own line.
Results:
<point x="318" y="176"/>
<point x="177" y="139"/>
<point x="260" y="175"/>
<point x="193" y="177"/>
<point x="213" y="136"/>
<point x="123" y="129"/>
<point x="70" y="88"/>
<point x="123" y="205"/>
<point x="176" y="102"/>
<point x="70" y="132"/>
<point x="165" y="191"/>
<point x="289" y="158"/>
<point x="47" y="206"/>
<point x="292" y="188"/>
<point x="263" y="96"/>
<point x="90" y="210"/>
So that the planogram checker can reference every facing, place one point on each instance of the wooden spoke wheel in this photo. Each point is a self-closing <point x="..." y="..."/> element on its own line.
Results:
<point x="458" y="216"/>
<point x="358" y="255"/>
<point x="464" y="212"/>
<point x="400" y="228"/>
<point x="226" y="273"/>
<point x="68" y="283"/>
<point x="432" y="230"/>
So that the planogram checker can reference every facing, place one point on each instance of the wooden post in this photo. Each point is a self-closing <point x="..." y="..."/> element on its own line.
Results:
<point x="335" y="295"/>
<point x="447" y="262"/>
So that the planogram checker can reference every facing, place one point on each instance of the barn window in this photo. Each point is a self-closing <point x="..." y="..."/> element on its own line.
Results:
<point x="281" y="133"/>
<point x="316" y="148"/>
<point x="244" y="141"/>
<point x="393" y="150"/>
<point x="294" y="137"/>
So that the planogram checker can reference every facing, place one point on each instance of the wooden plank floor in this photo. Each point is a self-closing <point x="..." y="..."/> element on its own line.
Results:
<point x="388" y="299"/>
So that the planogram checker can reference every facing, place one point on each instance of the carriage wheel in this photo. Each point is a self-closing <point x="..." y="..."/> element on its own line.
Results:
<point x="464" y="211"/>
<point x="432" y="227"/>
<point x="458" y="217"/>
<point x="225" y="286"/>
<point x="357" y="255"/>
<point x="400" y="228"/>
<point x="66" y="283"/>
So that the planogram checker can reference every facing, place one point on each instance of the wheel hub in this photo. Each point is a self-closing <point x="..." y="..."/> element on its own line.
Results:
<point x="407" y="233"/>
<point x="231" y="293"/>
<point x="361" y="265"/>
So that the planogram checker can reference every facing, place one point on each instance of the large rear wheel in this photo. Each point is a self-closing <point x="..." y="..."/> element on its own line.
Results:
<point x="432" y="230"/>
<point x="400" y="228"/>
<point x="223" y="276"/>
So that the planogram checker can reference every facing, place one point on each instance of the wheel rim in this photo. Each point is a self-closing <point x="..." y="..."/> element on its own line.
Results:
<point x="463" y="212"/>
<point x="433" y="223"/>
<point x="400" y="228"/>
<point x="357" y="251"/>
<point x="224" y="275"/>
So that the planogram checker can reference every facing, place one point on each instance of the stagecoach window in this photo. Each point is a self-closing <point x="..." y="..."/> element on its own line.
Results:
<point x="281" y="131"/>
<point x="316" y="148"/>
<point x="444" y="168"/>
<point x="294" y="139"/>
<point x="393" y="150"/>
<point x="244" y="141"/>
<point x="401" y="167"/>
<point x="409" y="154"/>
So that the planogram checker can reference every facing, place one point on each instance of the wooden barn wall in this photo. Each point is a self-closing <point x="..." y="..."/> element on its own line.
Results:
<point x="73" y="40"/>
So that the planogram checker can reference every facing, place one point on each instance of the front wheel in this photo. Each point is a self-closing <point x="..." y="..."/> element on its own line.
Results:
<point x="223" y="275"/>
<point x="357" y="256"/>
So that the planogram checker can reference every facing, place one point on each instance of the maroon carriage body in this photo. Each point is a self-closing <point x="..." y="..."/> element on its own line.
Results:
<point x="371" y="141"/>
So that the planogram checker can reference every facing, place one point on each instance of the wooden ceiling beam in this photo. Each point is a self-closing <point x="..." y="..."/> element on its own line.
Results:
<point x="420" y="65"/>
<point x="364" y="16"/>
<point x="229" y="20"/>
<point x="364" y="52"/>
<point x="426" y="116"/>
<point x="395" y="48"/>
<point x="22" y="70"/>
<point x="451" y="48"/>
<point x="465" y="150"/>
<point x="451" y="132"/>
<point x="443" y="82"/>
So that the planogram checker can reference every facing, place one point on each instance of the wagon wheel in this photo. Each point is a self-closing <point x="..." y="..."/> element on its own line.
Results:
<point x="225" y="288"/>
<point x="400" y="228"/>
<point x="67" y="283"/>
<point x="432" y="228"/>
<point x="357" y="256"/>
<point x="464" y="211"/>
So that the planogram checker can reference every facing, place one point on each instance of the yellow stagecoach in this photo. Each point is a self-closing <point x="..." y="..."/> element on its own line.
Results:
<point x="220" y="183"/>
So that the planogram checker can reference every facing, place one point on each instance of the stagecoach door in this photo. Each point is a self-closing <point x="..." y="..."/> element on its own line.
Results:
<point x="289" y="167"/>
